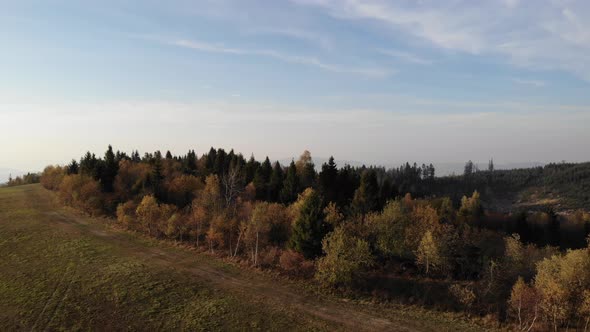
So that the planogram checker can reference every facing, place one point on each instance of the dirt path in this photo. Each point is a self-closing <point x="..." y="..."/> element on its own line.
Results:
<point x="349" y="316"/>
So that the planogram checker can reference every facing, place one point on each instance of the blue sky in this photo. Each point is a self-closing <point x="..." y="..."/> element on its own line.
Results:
<point x="376" y="81"/>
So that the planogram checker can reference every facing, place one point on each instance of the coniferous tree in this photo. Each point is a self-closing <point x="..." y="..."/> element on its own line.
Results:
<point x="157" y="176"/>
<point x="276" y="182"/>
<point x="219" y="166"/>
<point x="73" y="167"/>
<point x="210" y="161"/>
<point x="135" y="157"/>
<point x="310" y="227"/>
<point x="251" y="168"/>
<point x="469" y="169"/>
<point x="348" y="182"/>
<point x="262" y="179"/>
<point x="366" y="197"/>
<point x="328" y="181"/>
<point x="110" y="169"/>
<point x="189" y="163"/>
<point x="290" y="185"/>
<point x="89" y="165"/>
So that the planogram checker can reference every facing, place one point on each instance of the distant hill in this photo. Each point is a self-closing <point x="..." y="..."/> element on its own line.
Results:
<point x="442" y="168"/>
<point x="561" y="186"/>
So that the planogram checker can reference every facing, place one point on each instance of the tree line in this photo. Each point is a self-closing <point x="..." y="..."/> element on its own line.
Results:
<point x="343" y="226"/>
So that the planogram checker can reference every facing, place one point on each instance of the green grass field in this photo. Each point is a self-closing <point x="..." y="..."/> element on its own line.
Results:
<point x="60" y="270"/>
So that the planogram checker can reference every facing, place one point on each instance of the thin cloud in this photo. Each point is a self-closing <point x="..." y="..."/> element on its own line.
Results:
<point x="535" y="83"/>
<point x="294" y="33"/>
<point x="289" y="58"/>
<point x="544" y="35"/>
<point x="408" y="57"/>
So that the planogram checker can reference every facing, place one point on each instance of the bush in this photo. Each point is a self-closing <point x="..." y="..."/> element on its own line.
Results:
<point x="347" y="259"/>
<point x="295" y="264"/>
<point x="463" y="295"/>
<point x="52" y="177"/>
<point x="82" y="192"/>
<point x="126" y="215"/>
<point x="270" y="257"/>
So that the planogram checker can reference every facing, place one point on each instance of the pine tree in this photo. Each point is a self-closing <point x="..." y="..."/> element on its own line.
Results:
<point x="262" y="179"/>
<point x="109" y="172"/>
<point x="290" y="185"/>
<point x="73" y="167"/>
<point x="219" y="166"/>
<point x="89" y="165"/>
<point x="189" y="163"/>
<point x="309" y="228"/>
<point x="327" y="181"/>
<point x="469" y="168"/>
<point x="135" y="157"/>
<point x="210" y="161"/>
<point x="157" y="176"/>
<point x="251" y="168"/>
<point x="366" y="197"/>
<point x="276" y="182"/>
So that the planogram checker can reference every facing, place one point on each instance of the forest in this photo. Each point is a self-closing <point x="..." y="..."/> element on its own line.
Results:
<point x="400" y="234"/>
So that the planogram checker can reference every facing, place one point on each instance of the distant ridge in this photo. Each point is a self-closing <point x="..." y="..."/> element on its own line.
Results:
<point x="442" y="168"/>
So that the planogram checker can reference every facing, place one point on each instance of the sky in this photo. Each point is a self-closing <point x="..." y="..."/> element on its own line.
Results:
<point x="375" y="81"/>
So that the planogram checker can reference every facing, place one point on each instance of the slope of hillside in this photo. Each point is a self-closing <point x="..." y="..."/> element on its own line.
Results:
<point x="61" y="270"/>
<point x="563" y="187"/>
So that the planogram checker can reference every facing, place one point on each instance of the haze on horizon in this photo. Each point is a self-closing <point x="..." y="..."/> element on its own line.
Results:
<point x="374" y="81"/>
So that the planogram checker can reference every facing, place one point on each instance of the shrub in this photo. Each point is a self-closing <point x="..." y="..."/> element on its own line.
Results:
<point x="347" y="259"/>
<point x="126" y="215"/>
<point x="270" y="257"/>
<point x="463" y="295"/>
<point x="291" y="262"/>
<point x="52" y="176"/>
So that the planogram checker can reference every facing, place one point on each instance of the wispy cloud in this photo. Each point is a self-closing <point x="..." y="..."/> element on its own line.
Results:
<point x="535" y="83"/>
<point x="295" y="33"/>
<point x="405" y="56"/>
<point x="540" y="35"/>
<point x="284" y="57"/>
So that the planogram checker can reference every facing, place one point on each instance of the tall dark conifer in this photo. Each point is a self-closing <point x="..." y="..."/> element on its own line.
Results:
<point x="310" y="227"/>
<point x="276" y="182"/>
<point x="109" y="171"/>
<point x="328" y="181"/>
<point x="290" y="185"/>
<point x="366" y="197"/>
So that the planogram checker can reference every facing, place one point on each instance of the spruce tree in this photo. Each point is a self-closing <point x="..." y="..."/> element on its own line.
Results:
<point x="73" y="167"/>
<point x="290" y="185"/>
<point x="309" y="228"/>
<point x="157" y="176"/>
<point x="219" y="166"/>
<point x="262" y="179"/>
<point x="210" y="161"/>
<point x="251" y="168"/>
<point x="189" y="163"/>
<point x="366" y="197"/>
<point x="276" y="182"/>
<point x="327" y="181"/>
<point x="109" y="171"/>
<point x="135" y="157"/>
